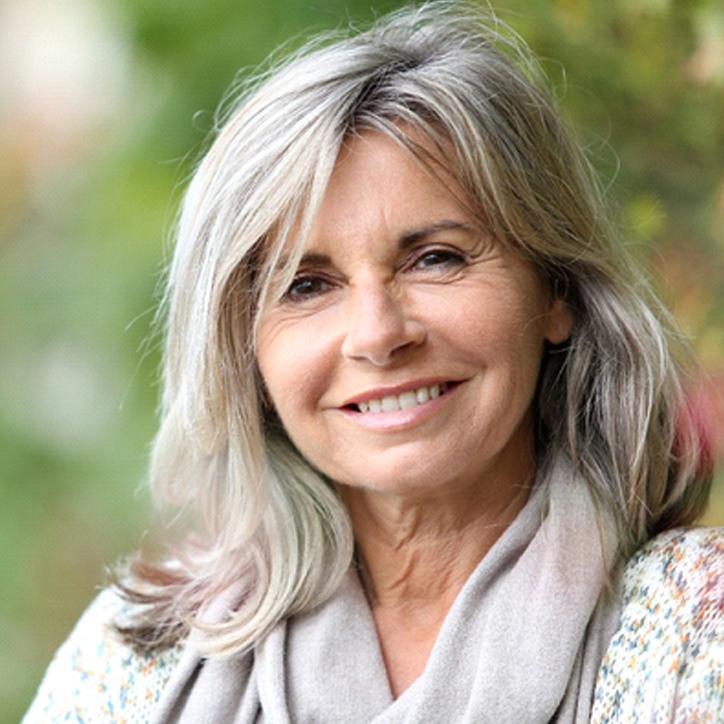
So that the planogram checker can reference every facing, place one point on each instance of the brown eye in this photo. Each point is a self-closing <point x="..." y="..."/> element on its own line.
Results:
<point x="306" y="287"/>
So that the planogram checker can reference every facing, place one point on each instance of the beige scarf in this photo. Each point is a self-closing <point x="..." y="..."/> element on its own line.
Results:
<point x="522" y="642"/>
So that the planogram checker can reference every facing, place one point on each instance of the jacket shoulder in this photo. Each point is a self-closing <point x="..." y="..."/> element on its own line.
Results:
<point x="666" y="659"/>
<point x="95" y="676"/>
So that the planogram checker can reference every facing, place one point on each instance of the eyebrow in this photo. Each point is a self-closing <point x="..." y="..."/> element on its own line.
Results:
<point x="405" y="241"/>
<point x="413" y="237"/>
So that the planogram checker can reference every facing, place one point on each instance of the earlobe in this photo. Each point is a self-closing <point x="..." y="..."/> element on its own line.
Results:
<point x="560" y="322"/>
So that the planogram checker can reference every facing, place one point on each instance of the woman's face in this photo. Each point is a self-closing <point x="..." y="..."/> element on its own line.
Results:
<point x="404" y="356"/>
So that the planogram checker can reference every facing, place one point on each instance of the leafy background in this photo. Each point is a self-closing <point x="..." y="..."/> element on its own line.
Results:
<point x="104" y="105"/>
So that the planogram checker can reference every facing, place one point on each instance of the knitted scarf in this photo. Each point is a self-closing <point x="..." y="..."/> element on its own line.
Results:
<point x="522" y="642"/>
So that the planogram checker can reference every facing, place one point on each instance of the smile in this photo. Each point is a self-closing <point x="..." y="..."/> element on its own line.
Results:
<point x="405" y="401"/>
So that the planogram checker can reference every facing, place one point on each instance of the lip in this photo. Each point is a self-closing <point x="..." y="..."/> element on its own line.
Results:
<point x="403" y="419"/>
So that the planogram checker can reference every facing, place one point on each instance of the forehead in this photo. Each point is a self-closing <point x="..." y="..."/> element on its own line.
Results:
<point x="382" y="184"/>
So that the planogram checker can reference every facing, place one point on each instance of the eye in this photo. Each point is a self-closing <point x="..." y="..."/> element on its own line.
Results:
<point x="437" y="258"/>
<point x="306" y="286"/>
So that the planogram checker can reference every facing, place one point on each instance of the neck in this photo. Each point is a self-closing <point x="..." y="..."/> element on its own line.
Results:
<point x="415" y="556"/>
<point x="418" y="553"/>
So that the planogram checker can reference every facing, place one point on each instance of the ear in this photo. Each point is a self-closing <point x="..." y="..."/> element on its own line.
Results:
<point x="559" y="322"/>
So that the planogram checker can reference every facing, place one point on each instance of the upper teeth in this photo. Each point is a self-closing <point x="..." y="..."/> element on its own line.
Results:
<point x="393" y="403"/>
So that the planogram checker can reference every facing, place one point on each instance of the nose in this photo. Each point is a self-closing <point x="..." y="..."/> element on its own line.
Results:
<point x="379" y="326"/>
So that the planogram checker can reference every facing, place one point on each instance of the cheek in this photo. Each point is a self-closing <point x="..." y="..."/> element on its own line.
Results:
<point x="292" y="365"/>
<point x="274" y="365"/>
<point x="507" y="340"/>
<point x="502" y="325"/>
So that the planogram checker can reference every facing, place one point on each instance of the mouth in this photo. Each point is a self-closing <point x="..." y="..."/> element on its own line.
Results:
<point x="404" y="401"/>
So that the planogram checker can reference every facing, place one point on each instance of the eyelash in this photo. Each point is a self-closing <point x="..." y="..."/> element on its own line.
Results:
<point x="444" y="258"/>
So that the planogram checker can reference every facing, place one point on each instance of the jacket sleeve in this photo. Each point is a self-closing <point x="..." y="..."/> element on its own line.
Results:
<point x="94" y="677"/>
<point x="666" y="661"/>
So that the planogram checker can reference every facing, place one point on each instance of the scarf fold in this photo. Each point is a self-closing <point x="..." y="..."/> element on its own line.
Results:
<point x="522" y="642"/>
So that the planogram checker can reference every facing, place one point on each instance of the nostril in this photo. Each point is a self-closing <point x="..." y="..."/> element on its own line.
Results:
<point x="378" y="338"/>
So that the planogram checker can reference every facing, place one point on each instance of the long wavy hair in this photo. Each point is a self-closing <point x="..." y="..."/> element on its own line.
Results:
<point x="610" y="399"/>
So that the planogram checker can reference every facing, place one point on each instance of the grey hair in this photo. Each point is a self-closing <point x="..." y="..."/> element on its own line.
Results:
<point x="610" y="398"/>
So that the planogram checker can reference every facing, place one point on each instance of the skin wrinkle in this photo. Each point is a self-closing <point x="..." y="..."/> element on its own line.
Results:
<point x="407" y="539"/>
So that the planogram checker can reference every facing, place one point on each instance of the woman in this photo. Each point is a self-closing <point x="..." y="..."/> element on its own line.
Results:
<point x="427" y="412"/>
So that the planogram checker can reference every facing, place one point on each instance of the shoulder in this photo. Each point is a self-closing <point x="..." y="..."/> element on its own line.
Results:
<point x="666" y="660"/>
<point x="695" y="551"/>
<point x="94" y="676"/>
